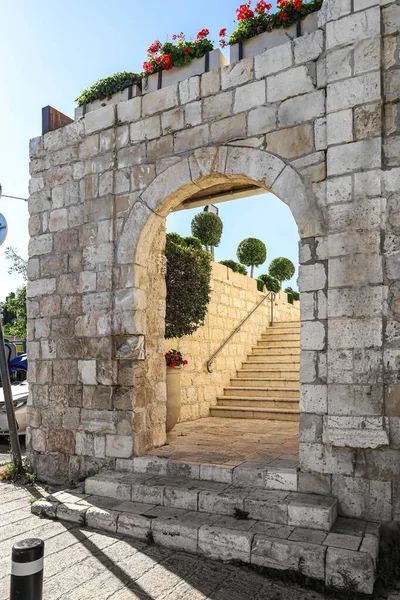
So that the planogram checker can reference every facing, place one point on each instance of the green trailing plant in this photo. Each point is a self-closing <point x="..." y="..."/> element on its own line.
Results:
<point x="252" y="253"/>
<point x="235" y="266"/>
<point x="253" y="22"/>
<point x="207" y="227"/>
<point x="296" y="295"/>
<point x="188" y="287"/>
<point x="106" y="87"/>
<point x="270" y="283"/>
<point x="282" y="269"/>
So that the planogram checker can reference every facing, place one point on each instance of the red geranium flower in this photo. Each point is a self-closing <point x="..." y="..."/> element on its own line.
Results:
<point x="172" y="365"/>
<point x="283" y="16"/>
<point x="262" y="7"/>
<point x="244" y="12"/>
<point x="297" y="4"/>
<point x="167" y="64"/>
<point x="148" y="67"/>
<point x="187" y="50"/>
<point x="202" y="34"/>
<point x="154" y="48"/>
<point x="174" y="37"/>
<point x="222" y="33"/>
<point x="185" y="362"/>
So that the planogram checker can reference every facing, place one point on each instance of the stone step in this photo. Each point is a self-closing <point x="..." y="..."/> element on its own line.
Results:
<point x="291" y="361"/>
<point x="253" y="372"/>
<point x="242" y="412"/>
<point x="287" y="356"/>
<point x="266" y="392"/>
<point x="282" y="331"/>
<point x="277" y="344"/>
<point x="259" y="402"/>
<point x="285" y="547"/>
<point x="279" y="506"/>
<point x="274" y="337"/>
<point x="275" y="351"/>
<point x="261" y="382"/>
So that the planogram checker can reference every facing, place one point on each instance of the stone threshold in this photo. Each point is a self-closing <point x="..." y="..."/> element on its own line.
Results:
<point x="345" y="552"/>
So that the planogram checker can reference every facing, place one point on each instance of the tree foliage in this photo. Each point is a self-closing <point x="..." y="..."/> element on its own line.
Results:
<point x="18" y="264"/>
<point x="270" y="283"/>
<point x="282" y="269"/>
<point x="252" y="253"/>
<point x="188" y="286"/>
<point x="207" y="227"/>
<point x="235" y="266"/>
<point x="14" y="313"/>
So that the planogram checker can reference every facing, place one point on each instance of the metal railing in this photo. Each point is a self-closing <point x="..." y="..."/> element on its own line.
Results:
<point x="272" y="297"/>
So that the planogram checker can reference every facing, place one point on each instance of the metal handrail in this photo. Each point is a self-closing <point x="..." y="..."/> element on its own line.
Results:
<point x="272" y="297"/>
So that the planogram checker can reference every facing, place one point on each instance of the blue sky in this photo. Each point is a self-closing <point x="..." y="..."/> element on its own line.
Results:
<point x="50" y="51"/>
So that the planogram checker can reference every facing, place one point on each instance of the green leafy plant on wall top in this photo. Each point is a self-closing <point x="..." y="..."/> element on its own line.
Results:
<point x="235" y="266"/>
<point x="269" y="282"/>
<point x="104" y="88"/>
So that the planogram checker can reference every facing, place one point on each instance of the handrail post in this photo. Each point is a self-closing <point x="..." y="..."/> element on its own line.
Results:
<point x="271" y="323"/>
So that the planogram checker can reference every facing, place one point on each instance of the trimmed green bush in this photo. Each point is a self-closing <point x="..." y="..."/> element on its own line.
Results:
<point x="296" y="295"/>
<point x="193" y="242"/>
<point x="188" y="287"/>
<point x="282" y="269"/>
<point x="270" y="283"/>
<point x="207" y="227"/>
<point x="252" y="253"/>
<point x="235" y="266"/>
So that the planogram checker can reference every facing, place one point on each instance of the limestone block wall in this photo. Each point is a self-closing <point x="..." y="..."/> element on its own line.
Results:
<point x="233" y="296"/>
<point x="315" y="121"/>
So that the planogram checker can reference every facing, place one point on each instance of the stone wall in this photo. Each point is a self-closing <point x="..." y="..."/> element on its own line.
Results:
<point x="315" y="121"/>
<point x="233" y="296"/>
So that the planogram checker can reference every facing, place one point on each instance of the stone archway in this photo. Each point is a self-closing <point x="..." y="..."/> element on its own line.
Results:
<point x="142" y="250"/>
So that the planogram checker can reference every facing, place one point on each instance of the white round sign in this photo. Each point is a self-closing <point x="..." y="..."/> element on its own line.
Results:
<point x="3" y="229"/>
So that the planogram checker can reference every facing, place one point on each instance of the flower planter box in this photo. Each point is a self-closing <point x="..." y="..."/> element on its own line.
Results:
<point x="126" y="94"/>
<point x="198" y="66"/>
<point x="258" y="44"/>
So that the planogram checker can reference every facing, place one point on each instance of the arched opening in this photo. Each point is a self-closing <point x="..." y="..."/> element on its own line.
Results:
<point x="210" y="172"/>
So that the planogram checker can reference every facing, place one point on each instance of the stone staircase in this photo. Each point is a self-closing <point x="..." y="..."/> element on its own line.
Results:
<point x="249" y="513"/>
<point x="267" y="386"/>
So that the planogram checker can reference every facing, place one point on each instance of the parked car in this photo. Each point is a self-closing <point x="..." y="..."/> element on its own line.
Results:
<point x="20" y="393"/>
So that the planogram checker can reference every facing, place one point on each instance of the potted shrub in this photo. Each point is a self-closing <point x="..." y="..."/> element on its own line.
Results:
<point x="258" y="29"/>
<point x="175" y="363"/>
<point x="188" y="295"/>
<point x="180" y="59"/>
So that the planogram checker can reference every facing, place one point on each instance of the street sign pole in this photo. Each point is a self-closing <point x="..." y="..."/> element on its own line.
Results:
<point x="12" y="423"/>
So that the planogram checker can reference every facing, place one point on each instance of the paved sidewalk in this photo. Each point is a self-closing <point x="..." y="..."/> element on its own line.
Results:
<point x="82" y="565"/>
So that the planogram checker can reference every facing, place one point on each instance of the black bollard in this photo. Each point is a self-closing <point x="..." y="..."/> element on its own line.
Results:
<point x="27" y="570"/>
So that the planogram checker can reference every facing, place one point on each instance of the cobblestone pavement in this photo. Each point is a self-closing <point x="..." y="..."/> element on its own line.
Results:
<point x="81" y="564"/>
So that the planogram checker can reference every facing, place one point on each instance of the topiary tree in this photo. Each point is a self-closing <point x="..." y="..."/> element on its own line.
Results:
<point x="235" y="266"/>
<point x="270" y="283"/>
<point x="207" y="227"/>
<point x="252" y="253"/>
<point x="282" y="269"/>
<point x="188" y="287"/>
<point x="293" y="293"/>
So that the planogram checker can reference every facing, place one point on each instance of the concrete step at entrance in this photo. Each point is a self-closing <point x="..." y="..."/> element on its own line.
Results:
<point x="257" y="402"/>
<point x="243" y="412"/>
<point x="221" y="528"/>
<point x="275" y="351"/>
<point x="266" y="392"/>
<point x="282" y="332"/>
<point x="283" y="324"/>
<point x="280" y="383"/>
<point x="266" y="372"/>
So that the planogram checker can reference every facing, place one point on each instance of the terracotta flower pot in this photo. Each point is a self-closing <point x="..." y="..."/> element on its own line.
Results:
<point x="173" y="396"/>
